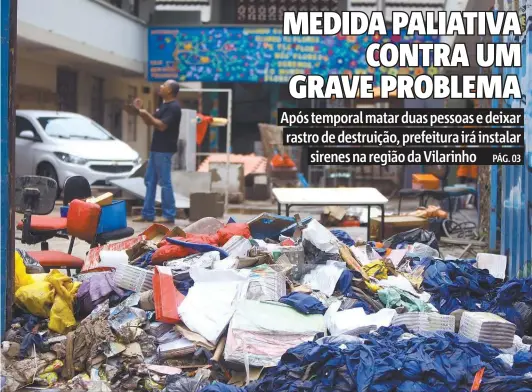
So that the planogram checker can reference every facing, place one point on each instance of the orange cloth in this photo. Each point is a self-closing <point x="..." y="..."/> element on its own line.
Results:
<point x="282" y="161"/>
<point x="201" y="128"/>
<point x="467" y="171"/>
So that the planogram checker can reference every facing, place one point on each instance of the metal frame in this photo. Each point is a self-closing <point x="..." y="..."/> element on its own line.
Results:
<point x="381" y="206"/>
<point x="229" y="92"/>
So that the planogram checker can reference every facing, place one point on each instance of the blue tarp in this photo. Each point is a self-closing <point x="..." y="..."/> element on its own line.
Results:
<point x="458" y="285"/>
<point x="442" y="362"/>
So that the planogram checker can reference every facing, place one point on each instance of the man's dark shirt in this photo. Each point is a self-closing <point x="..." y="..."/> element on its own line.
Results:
<point x="166" y="141"/>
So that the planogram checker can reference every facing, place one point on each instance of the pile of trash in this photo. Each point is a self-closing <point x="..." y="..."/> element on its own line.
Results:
<point x="275" y="304"/>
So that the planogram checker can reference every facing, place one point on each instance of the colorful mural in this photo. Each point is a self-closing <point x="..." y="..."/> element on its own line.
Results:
<point x="242" y="54"/>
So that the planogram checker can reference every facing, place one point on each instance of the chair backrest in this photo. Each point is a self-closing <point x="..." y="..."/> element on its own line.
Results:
<point x="35" y="195"/>
<point x="76" y="187"/>
<point x="439" y="171"/>
<point x="83" y="219"/>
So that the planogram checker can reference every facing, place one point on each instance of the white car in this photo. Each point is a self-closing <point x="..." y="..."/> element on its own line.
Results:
<point x="61" y="144"/>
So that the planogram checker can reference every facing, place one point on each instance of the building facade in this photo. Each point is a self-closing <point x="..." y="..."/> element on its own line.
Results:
<point x="86" y="56"/>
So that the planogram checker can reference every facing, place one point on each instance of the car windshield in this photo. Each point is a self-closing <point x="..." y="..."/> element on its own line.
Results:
<point x="73" y="128"/>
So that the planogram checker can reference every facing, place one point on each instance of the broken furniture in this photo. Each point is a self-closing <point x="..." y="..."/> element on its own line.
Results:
<point x="46" y="227"/>
<point x="43" y="228"/>
<point x="444" y="192"/>
<point x="367" y="197"/>
<point x="34" y="196"/>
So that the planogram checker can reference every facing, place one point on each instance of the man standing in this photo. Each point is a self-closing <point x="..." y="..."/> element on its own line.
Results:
<point x="165" y="122"/>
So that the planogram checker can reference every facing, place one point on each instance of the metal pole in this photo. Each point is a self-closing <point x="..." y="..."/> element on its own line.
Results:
<point x="228" y="127"/>
<point x="228" y="145"/>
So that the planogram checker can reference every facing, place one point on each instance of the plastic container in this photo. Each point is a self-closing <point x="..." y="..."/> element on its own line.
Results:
<point x="113" y="217"/>
<point x="63" y="210"/>
<point x="425" y="181"/>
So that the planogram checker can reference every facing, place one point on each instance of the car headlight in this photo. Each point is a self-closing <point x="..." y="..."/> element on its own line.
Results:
<point x="137" y="161"/>
<point x="70" y="158"/>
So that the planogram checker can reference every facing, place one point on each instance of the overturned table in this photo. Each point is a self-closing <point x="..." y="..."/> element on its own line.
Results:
<point x="366" y="197"/>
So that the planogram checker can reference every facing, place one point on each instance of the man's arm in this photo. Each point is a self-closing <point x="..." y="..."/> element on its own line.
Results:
<point x="149" y="120"/>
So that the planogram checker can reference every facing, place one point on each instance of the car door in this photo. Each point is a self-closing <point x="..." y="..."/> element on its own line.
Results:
<point x="24" y="154"/>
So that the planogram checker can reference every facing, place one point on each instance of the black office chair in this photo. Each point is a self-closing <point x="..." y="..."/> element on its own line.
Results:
<point x="76" y="187"/>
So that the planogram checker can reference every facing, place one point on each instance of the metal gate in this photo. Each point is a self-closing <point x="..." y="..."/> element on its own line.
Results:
<point x="516" y="192"/>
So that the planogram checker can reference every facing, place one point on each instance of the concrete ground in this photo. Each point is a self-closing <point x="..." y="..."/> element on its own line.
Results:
<point x="244" y="213"/>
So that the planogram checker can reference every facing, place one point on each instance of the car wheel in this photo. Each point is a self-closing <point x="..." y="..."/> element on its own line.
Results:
<point x="45" y="169"/>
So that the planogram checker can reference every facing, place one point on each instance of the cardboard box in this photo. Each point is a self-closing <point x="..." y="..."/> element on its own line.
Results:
<point x="394" y="224"/>
<point x="425" y="181"/>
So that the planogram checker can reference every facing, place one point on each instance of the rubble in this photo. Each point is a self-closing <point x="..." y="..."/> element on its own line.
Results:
<point x="236" y="307"/>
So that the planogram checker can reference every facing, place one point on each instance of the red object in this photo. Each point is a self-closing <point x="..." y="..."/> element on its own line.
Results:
<point x="83" y="219"/>
<point x="202" y="127"/>
<point x="82" y="222"/>
<point x="56" y="259"/>
<point x="169" y="251"/>
<point x="165" y="296"/>
<point x="288" y="162"/>
<point x="46" y="223"/>
<point x="288" y="242"/>
<point x="350" y="223"/>
<point x="277" y="161"/>
<point x="230" y="230"/>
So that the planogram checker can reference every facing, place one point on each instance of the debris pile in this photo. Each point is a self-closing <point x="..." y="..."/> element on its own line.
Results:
<point x="275" y="304"/>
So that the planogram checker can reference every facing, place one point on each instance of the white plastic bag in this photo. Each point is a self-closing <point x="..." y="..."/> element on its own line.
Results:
<point x="210" y="303"/>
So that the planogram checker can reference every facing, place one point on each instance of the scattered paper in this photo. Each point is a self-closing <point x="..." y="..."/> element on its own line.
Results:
<point x="495" y="264"/>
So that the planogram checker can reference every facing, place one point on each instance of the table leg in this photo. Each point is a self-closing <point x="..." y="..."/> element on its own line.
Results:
<point x="288" y="209"/>
<point x="369" y="218"/>
<point x="278" y="208"/>
<point x="382" y="222"/>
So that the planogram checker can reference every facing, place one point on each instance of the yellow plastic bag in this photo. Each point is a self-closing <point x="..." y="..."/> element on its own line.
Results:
<point x="37" y="298"/>
<point x="22" y="278"/>
<point x="62" y="312"/>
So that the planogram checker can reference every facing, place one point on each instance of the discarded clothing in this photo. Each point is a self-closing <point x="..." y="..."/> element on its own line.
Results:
<point x="343" y="237"/>
<point x="458" y="285"/>
<point x="388" y="362"/>
<point x="95" y="290"/>
<point x="304" y="303"/>
<point x="393" y="297"/>
<point x="505" y="303"/>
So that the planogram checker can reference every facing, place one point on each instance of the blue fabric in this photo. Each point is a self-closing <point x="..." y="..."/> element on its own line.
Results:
<point x="184" y="285"/>
<point x="231" y="220"/>
<point x="444" y="362"/>
<point x="201" y="248"/>
<point x="158" y="172"/>
<point x="458" y="285"/>
<point x="304" y="303"/>
<point x="343" y="237"/>
<point x="145" y="259"/>
<point x="344" y="282"/>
